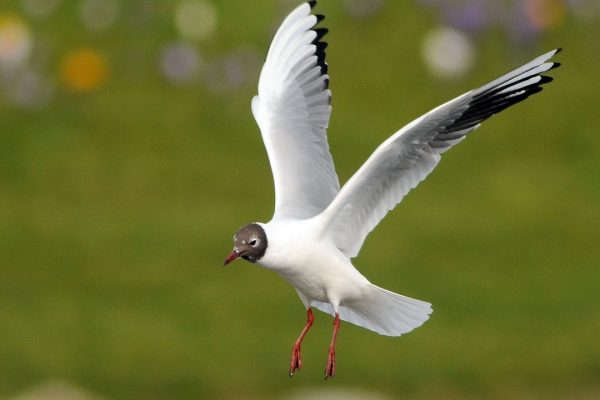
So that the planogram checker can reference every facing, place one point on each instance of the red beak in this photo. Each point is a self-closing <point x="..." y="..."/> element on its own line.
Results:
<point x="232" y="256"/>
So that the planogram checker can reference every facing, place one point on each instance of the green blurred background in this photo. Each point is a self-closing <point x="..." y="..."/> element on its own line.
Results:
<point x="129" y="156"/>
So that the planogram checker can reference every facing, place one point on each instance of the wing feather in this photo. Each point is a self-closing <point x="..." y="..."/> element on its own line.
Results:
<point x="408" y="156"/>
<point x="292" y="110"/>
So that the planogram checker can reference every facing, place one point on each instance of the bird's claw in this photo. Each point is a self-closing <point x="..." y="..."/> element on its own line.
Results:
<point x="330" y="368"/>
<point x="296" y="363"/>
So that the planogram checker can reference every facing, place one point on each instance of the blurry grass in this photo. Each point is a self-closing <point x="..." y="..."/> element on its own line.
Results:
<point x="117" y="209"/>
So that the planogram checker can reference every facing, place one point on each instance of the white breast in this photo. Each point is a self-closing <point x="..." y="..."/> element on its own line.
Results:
<point x="309" y="262"/>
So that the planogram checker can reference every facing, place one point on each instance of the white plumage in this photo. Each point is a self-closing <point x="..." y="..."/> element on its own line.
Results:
<point x="317" y="228"/>
<point x="292" y="110"/>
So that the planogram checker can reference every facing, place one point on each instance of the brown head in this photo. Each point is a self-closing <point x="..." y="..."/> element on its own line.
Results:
<point x="249" y="242"/>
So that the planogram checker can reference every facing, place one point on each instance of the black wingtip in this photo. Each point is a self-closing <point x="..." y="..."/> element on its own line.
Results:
<point x="320" y="45"/>
<point x="312" y="3"/>
<point x="320" y="53"/>
<point x="495" y="99"/>
<point x="320" y="33"/>
<point x="558" y="50"/>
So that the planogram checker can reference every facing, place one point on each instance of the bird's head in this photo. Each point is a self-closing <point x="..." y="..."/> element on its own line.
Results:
<point x="249" y="242"/>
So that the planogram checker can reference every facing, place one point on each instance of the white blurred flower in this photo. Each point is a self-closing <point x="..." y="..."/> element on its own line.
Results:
<point x="180" y="62"/>
<point x="29" y="89"/>
<point x="99" y="15"/>
<point x="196" y="19"/>
<point x="16" y="42"/>
<point x="448" y="53"/>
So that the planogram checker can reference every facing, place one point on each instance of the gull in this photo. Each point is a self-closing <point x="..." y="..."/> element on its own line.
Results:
<point x="317" y="228"/>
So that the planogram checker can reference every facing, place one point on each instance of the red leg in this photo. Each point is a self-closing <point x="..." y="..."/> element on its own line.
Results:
<point x="296" y="362"/>
<point x="330" y="369"/>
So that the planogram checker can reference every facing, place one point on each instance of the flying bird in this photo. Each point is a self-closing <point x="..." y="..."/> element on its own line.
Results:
<point x="317" y="228"/>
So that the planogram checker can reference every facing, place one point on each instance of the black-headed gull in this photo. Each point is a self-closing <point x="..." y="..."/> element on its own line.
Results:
<point x="317" y="228"/>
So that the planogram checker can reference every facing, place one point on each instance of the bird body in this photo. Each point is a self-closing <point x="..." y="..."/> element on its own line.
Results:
<point x="315" y="267"/>
<point x="318" y="227"/>
<point x="303" y="254"/>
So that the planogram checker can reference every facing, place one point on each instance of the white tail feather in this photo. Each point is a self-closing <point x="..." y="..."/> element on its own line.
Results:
<point x="382" y="311"/>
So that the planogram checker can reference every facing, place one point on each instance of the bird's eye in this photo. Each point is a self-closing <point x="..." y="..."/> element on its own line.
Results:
<point x="253" y="242"/>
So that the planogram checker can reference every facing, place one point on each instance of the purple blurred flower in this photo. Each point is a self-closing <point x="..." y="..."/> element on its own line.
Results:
<point x="473" y="16"/>
<point x="522" y="20"/>
<point x="518" y="25"/>
<point x="180" y="62"/>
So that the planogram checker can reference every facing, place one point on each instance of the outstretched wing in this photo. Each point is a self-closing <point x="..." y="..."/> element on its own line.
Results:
<point x="292" y="110"/>
<point x="407" y="157"/>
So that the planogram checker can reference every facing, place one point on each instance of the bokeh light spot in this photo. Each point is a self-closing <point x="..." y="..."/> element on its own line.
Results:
<point x="196" y="19"/>
<point x="180" y="62"/>
<point x="84" y="70"/>
<point x="448" y="53"/>
<point x="29" y="89"/>
<point x="233" y="70"/>
<point x="545" y="14"/>
<point x="39" y="8"/>
<point x="99" y="15"/>
<point x="16" y="41"/>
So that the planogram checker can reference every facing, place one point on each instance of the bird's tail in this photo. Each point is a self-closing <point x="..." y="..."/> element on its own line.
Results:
<point x="382" y="311"/>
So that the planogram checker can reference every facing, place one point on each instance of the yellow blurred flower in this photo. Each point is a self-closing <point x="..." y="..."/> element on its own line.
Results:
<point x="84" y="70"/>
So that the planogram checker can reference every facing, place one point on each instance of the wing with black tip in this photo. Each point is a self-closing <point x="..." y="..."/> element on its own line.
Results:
<point x="292" y="109"/>
<point x="408" y="156"/>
